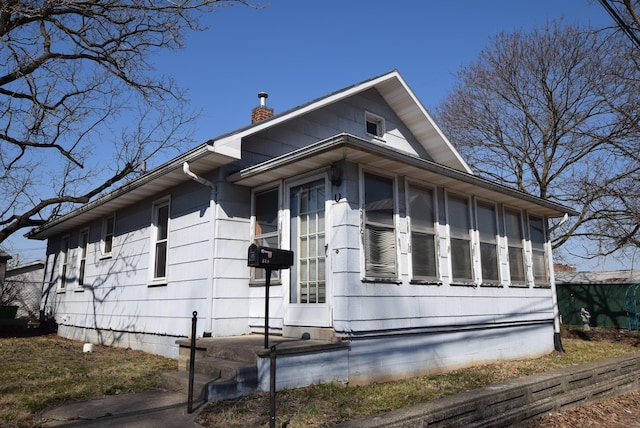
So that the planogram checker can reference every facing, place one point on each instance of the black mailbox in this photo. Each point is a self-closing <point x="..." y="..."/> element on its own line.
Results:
<point x="269" y="258"/>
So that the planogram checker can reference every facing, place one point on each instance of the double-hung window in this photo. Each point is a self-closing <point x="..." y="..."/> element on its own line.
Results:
<point x="538" y="256"/>
<point x="379" y="228"/>
<point x="64" y="262"/>
<point x="108" y="228"/>
<point x="83" y="244"/>
<point x="488" y="234"/>
<point x="160" y="235"/>
<point x="460" y="238"/>
<point x="265" y="233"/>
<point x="513" y="229"/>
<point x="423" y="242"/>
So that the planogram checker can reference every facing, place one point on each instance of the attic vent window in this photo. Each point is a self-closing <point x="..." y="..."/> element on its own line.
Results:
<point x="374" y="125"/>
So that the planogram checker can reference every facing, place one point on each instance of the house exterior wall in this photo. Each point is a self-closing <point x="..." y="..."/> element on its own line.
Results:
<point x="430" y="324"/>
<point x="28" y="280"/>
<point x="120" y="305"/>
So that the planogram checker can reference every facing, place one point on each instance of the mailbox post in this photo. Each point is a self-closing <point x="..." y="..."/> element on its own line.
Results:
<point x="269" y="259"/>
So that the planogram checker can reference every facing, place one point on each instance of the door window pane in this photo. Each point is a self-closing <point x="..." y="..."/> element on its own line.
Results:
<point x="307" y="219"/>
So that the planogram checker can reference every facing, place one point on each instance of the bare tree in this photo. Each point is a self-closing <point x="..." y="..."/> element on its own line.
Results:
<point x="626" y="16"/>
<point x="554" y="112"/>
<point x="81" y="108"/>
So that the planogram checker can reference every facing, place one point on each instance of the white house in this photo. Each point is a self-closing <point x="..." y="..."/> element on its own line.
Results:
<point x="399" y="249"/>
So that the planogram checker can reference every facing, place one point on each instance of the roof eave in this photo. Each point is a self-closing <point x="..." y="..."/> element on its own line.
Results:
<point x="335" y="148"/>
<point x="202" y="158"/>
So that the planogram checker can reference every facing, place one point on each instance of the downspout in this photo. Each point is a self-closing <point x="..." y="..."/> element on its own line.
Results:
<point x="557" y="339"/>
<point x="213" y="205"/>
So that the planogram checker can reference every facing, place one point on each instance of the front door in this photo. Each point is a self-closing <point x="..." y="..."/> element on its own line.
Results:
<point x="308" y="298"/>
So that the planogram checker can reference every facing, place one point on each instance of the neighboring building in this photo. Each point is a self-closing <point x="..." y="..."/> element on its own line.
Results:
<point x="399" y="248"/>
<point x="612" y="298"/>
<point x="27" y="279"/>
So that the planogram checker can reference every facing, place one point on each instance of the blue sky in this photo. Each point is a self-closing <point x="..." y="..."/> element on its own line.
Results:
<point x="299" y="50"/>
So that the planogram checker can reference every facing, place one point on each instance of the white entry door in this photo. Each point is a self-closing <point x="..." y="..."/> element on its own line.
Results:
<point x="308" y="297"/>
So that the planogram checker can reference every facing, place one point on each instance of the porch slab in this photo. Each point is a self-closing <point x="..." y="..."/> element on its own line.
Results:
<point x="255" y="343"/>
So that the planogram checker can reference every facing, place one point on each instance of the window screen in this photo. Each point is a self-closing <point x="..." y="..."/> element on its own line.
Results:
<point x="459" y="227"/>
<point x="488" y="231"/>
<point x="379" y="230"/>
<point x="423" y="245"/>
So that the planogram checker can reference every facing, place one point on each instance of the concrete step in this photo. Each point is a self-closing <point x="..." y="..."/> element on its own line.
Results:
<point x="225" y="369"/>
<point x="234" y="349"/>
<point x="207" y="388"/>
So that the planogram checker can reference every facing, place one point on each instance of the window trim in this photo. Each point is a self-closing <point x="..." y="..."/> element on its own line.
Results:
<point x="496" y="241"/>
<point x="153" y="251"/>
<point x="105" y="234"/>
<point x="470" y="234"/>
<point x="65" y="243"/>
<point x="83" y="249"/>
<point x="378" y="121"/>
<point x="521" y="246"/>
<point x="275" y="275"/>
<point x="395" y="277"/>
<point x="545" y="253"/>
<point x="409" y="187"/>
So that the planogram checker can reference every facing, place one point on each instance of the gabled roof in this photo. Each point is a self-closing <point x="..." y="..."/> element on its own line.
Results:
<point x="227" y="148"/>
<point x="395" y="92"/>
<point x="447" y="162"/>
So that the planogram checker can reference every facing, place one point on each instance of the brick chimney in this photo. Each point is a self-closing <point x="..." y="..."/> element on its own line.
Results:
<point x="261" y="112"/>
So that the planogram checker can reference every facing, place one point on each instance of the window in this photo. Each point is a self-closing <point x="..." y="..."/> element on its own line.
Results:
<point x="374" y="125"/>
<point x="266" y="233"/>
<point x="488" y="231"/>
<point x="538" y="256"/>
<point x="160" y="232"/>
<point x="423" y="243"/>
<point x="513" y="229"/>
<point x="108" y="227"/>
<point x="379" y="230"/>
<point x="64" y="259"/>
<point x="84" y="241"/>
<point x="460" y="238"/>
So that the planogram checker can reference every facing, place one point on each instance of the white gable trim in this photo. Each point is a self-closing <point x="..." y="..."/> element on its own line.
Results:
<point x="395" y="92"/>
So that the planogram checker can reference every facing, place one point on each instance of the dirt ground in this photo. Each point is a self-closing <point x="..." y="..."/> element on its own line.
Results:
<point x="621" y="411"/>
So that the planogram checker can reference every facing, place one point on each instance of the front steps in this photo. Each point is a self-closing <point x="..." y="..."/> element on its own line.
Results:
<point x="230" y="367"/>
<point x="222" y="370"/>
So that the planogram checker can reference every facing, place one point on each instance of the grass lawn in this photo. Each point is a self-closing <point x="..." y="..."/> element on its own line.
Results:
<point x="39" y="372"/>
<point x="327" y="405"/>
